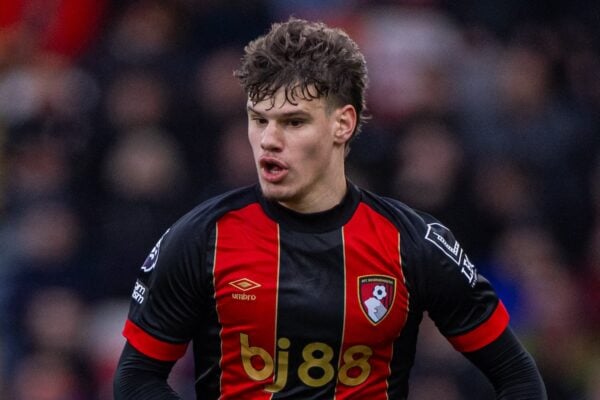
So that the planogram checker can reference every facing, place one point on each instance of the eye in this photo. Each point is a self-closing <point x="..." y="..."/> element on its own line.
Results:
<point x="259" y="120"/>
<point x="295" y="122"/>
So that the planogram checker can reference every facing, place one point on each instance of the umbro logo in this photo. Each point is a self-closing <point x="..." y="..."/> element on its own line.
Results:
<point x="244" y="284"/>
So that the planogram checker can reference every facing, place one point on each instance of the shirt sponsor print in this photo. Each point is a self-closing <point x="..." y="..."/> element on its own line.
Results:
<point x="139" y="292"/>
<point x="440" y="236"/>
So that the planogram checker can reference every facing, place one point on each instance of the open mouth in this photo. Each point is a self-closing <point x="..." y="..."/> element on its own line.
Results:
<point x="273" y="169"/>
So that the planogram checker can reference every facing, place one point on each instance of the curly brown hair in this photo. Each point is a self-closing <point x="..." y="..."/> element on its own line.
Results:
<point x="308" y="59"/>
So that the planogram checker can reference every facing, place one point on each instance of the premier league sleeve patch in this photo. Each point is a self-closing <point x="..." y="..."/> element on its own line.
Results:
<point x="376" y="294"/>
<point x="152" y="258"/>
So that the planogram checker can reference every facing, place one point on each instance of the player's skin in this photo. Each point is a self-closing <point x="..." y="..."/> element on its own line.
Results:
<point x="299" y="150"/>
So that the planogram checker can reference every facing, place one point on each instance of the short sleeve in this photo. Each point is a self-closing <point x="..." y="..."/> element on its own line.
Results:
<point x="460" y="301"/>
<point x="167" y="296"/>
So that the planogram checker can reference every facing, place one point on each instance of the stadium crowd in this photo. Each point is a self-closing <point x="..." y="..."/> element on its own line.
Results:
<point x="116" y="117"/>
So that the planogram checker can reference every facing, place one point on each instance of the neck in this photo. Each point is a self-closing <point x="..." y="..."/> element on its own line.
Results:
<point x="319" y="201"/>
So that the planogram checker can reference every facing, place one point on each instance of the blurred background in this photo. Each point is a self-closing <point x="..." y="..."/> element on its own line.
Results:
<point x="116" y="117"/>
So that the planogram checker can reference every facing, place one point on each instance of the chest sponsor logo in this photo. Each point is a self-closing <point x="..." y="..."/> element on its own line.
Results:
<point x="245" y="285"/>
<point x="376" y="296"/>
<point x="317" y="369"/>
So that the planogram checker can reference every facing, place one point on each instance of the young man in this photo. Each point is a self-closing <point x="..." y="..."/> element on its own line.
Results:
<point x="305" y="286"/>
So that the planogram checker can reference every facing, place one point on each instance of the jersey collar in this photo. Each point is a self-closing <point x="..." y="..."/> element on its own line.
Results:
<point x="323" y="221"/>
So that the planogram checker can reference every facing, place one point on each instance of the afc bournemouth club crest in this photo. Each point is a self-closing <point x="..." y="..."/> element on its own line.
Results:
<point x="376" y="295"/>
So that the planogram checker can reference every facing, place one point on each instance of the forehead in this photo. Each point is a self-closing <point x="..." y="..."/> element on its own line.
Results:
<point x="279" y="103"/>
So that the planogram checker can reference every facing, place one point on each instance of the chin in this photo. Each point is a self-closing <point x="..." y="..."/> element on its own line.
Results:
<point x="275" y="193"/>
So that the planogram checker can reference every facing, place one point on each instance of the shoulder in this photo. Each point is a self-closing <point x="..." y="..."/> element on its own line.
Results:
<point x="419" y="227"/>
<point x="182" y="246"/>
<point x="411" y="223"/>
<point x="193" y="229"/>
<point x="205" y="214"/>
<point x="429" y="248"/>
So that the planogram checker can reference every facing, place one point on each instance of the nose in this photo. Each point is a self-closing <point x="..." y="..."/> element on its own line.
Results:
<point x="271" y="137"/>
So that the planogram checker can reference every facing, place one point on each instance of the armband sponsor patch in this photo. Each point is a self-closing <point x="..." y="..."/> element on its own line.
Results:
<point x="139" y="292"/>
<point x="440" y="236"/>
<point x="468" y="270"/>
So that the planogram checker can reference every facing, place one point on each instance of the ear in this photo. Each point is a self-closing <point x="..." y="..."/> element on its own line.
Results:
<point x="345" y="123"/>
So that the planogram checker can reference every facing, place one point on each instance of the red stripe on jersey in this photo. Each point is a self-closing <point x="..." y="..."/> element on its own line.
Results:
<point x="246" y="269"/>
<point x="372" y="261"/>
<point x="484" y="334"/>
<point x="150" y="346"/>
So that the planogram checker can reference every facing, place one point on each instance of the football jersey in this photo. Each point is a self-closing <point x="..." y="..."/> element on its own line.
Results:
<point x="284" y="305"/>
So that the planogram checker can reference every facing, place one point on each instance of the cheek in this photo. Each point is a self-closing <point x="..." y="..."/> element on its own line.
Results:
<point x="254" y="141"/>
<point x="317" y="154"/>
<point x="313" y="151"/>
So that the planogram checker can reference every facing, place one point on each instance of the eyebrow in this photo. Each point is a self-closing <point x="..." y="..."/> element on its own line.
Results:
<point x="289" y="114"/>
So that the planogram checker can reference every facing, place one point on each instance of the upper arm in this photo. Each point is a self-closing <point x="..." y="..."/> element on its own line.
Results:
<point x="460" y="301"/>
<point x="167" y="296"/>
<point x="467" y="310"/>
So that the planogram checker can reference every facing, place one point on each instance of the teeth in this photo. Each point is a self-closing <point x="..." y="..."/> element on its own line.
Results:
<point x="273" y="168"/>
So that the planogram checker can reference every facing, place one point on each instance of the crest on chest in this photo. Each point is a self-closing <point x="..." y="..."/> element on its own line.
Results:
<point x="376" y="296"/>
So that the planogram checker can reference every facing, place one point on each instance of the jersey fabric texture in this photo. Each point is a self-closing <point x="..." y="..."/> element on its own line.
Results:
<point x="282" y="305"/>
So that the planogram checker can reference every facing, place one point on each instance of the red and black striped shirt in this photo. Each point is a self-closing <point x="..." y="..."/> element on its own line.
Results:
<point x="281" y="305"/>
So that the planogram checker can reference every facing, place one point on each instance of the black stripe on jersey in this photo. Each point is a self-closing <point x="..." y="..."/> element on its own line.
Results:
<point x="403" y="357"/>
<point x="311" y="272"/>
<point x="207" y="342"/>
